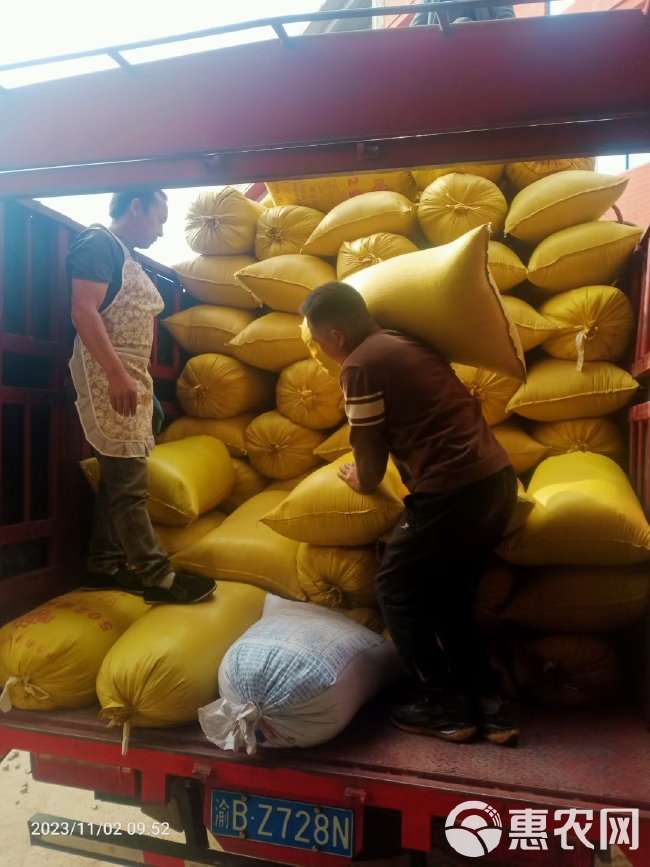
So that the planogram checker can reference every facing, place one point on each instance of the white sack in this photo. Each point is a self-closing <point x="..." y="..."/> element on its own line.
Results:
<point x="296" y="678"/>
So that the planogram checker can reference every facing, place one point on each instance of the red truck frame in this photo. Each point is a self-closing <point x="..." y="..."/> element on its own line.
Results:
<point x="366" y="101"/>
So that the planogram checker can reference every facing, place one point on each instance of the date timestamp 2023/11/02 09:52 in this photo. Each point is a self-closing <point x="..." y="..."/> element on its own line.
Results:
<point x="92" y="829"/>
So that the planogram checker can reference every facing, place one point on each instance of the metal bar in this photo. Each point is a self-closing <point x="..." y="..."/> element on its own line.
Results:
<point x="444" y="21"/>
<point x="121" y="61"/>
<point x="498" y="145"/>
<point x="27" y="286"/>
<point x="633" y="432"/>
<point x="283" y="36"/>
<point x="24" y="592"/>
<point x="26" y="396"/>
<point x="639" y="412"/>
<point x="12" y="533"/>
<point x="28" y="345"/>
<point x="3" y="213"/>
<point x="643" y="318"/>
<point x="27" y="466"/>
<point x="277" y="21"/>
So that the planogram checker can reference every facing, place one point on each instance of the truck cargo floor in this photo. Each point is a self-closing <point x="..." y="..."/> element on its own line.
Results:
<point x="582" y="755"/>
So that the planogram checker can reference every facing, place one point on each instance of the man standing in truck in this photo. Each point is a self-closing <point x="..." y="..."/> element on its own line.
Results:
<point x="403" y="400"/>
<point x="114" y="306"/>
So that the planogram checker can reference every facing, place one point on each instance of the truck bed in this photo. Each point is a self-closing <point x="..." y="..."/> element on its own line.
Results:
<point x="595" y="757"/>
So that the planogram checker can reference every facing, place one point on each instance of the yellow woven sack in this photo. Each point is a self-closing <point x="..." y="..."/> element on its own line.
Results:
<point x="245" y="550"/>
<point x="284" y="282"/>
<point x="599" y="435"/>
<point x="308" y="395"/>
<point x="335" y="446"/>
<point x="493" y="390"/>
<point x="272" y="342"/>
<point x="556" y="391"/>
<point x="283" y="231"/>
<point x="326" y="193"/>
<point x="327" y="363"/>
<point x="567" y="670"/>
<point x="356" y="255"/>
<point x="587" y="255"/>
<point x="212" y="280"/>
<point x="217" y="387"/>
<point x="161" y="672"/>
<point x="222" y="222"/>
<point x="598" y="324"/>
<point x="446" y="297"/>
<point x="207" y="328"/>
<point x="359" y="217"/>
<point x="523" y="451"/>
<point x="369" y="617"/>
<point x="523" y="509"/>
<point x="49" y="658"/>
<point x="562" y="200"/>
<point x="281" y="449"/>
<point x="523" y="175"/>
<point x="426" y="176"/>
<point x="456" y="204"/>
<point x="586" y="513"/>
<point x="580" y="598"/>
<point x="175" y="539"/>
<point x="267" y="201"/>
<point x="248" y="484"/>
<point x="187" y="478"/>
<point x="230" y="431"/>
<point x="288" y="485"/>
<point x="324" y="510"/>
<point x="533" y="328"/>
<point x="505" y="266"/>
<point x="494" y="589"/>
<point x="338" y="577"/>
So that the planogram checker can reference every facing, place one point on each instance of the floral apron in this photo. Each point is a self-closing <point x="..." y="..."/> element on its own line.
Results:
<point x="129" y="323"/>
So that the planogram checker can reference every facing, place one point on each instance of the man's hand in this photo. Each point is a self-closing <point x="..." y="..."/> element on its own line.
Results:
<point x="123" y="393"/>
<point x="348" y="472"/>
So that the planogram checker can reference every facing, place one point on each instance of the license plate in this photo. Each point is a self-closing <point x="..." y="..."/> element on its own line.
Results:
<point x="282" y="823"/>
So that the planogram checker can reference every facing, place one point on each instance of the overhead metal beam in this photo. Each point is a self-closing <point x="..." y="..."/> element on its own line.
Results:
<point x="493" y="146"/>
<point x="513" y="89"/>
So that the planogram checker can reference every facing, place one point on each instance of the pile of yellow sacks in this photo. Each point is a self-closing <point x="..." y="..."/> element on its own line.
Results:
<point x="572" y="575"/>
<point x="244" y="486"/>
<point x="484" y="262"/>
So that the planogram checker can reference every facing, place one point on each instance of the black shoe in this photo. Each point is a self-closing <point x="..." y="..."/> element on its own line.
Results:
<point x="122" y="579"/>
<point x="496" y="720"/>
<point x="438" y="715"/>
<point x="185" y="590"/>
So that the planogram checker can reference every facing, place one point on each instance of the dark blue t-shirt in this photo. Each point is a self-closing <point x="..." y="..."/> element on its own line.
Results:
<point x="96" y="256"/>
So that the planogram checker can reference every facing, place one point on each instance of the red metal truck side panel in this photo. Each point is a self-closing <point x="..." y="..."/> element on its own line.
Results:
<point x="334" y="88"/>
<point x="587" y="760"/>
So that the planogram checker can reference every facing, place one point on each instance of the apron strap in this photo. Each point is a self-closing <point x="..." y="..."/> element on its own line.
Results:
<point x="127" y="255"/>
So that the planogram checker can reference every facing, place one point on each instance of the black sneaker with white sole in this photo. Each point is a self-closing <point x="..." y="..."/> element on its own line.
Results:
<point x="122" y="579"/>
<point x="185" y="590"/>
<point x="438" y="715"/>
<point x="496" y="720"/>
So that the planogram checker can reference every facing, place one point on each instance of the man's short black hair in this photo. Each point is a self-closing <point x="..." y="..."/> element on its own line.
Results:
<point x="121" y="202"/>
<point x="335" y="305"/>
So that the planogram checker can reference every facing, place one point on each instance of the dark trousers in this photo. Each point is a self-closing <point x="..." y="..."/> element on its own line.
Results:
<point x="428" y="577"/>
<point x="122" y="532"/>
